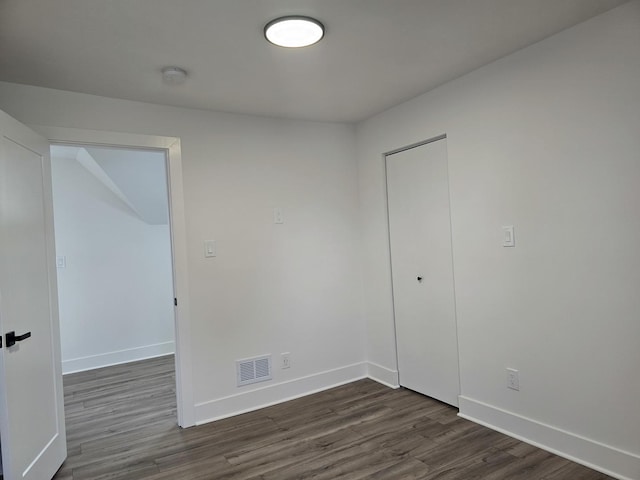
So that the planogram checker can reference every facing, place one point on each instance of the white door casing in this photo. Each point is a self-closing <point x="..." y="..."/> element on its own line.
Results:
<point x="31" y="397"/>
<point x="172" y="148"/>
<point x="422" y="270"/>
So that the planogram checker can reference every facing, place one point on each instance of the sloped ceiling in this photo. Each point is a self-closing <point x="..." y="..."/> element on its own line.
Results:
<point x="375" y="54"/>
<point x="140" y="175"/>
<point x="136" y="177"/>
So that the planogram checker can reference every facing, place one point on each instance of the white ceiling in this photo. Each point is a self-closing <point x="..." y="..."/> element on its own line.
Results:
<point x="375" y="54"/>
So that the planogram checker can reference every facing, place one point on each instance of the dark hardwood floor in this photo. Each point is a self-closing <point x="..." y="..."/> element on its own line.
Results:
<point x="121" y="424"/>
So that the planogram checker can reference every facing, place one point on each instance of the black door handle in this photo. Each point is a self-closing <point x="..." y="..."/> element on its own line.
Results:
<point x="11" y="338"/>
<point x="419" y="279"/>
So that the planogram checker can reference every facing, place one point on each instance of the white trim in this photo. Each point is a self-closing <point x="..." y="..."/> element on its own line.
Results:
<point x="598" y="456"/>
<point x="171" y="145"/>
<point x="383" y="375"/>
<point x="81" y="136"/>
<point x="258" y="398"/>
<point x="184" y="372"/>
<point x="45" y="452"/>
<point x="108" y="359"/>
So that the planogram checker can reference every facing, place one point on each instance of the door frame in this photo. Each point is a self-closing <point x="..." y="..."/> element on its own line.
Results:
<point x="177" y="226"/>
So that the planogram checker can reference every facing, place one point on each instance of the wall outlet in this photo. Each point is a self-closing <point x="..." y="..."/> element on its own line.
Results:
<point x="513" y="379"/>
<point x="285" y="360"/>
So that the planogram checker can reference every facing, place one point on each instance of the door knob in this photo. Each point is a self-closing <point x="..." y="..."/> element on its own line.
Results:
<point x="11" y="338"/>
<point x="419" y="279"/>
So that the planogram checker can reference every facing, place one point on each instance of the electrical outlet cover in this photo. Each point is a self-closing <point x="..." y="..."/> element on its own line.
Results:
<point x="285" y="361"/>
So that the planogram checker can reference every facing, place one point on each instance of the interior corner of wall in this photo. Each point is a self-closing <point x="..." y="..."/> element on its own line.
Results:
<point x="385" y="376"/>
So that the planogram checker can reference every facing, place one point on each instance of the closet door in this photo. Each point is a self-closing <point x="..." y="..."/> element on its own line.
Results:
<point x="422" y="270"/>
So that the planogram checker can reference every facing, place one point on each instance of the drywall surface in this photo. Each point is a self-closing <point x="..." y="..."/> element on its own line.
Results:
<point x="115" y="288"/>
<point x="545" y="139"/>
<point x="272" y="288"/>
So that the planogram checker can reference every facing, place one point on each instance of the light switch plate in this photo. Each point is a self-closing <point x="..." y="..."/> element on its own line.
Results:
<point x="278" y="217"/>
<point x="210" y="248"/>
<point x="508" y="238"/>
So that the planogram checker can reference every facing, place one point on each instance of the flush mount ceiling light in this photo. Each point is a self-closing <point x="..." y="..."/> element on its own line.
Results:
<point x="294" y="31"/>
<point x="173" y="75"/>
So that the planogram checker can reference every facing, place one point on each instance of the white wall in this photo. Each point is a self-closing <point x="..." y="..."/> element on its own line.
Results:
<point x="545" y="139"/>
<point x="115" y="292"/>
<point x="294" y="287"/>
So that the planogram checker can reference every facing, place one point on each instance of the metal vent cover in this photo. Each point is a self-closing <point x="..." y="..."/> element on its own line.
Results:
<point x="253" y="370"/>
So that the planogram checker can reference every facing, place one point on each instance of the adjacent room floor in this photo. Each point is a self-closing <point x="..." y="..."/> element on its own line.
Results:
<point x="121" y="424"/>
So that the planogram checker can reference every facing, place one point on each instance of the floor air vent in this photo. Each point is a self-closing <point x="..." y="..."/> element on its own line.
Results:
<point x="253" y="370"/>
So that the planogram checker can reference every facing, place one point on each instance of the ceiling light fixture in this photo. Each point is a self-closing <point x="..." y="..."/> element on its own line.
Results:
<point x="173" y="75"/>
<point x="294" y="31"/>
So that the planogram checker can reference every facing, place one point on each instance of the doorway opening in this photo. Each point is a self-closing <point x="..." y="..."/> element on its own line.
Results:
<point x="113" y="257"/>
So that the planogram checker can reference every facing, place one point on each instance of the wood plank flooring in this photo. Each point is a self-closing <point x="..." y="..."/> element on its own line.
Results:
<point x="121" y="424"/>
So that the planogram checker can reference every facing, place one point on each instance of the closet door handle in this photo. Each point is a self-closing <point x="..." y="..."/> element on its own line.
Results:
<point x="419" y="279"/>
<point x="11" y="338"/>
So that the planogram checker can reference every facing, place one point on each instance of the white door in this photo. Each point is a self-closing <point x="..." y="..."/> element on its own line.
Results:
<point x="422" y="269"/>
<point x="32" y="435"/>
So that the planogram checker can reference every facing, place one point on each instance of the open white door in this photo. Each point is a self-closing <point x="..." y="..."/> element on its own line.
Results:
<point x="32" y="431"/>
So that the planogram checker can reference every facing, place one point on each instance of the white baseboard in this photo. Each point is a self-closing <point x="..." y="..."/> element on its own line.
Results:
<point x="598" y="456"/>
<point x="114" y="358"/>
<point x="383" y="375"/>
<point x="247" y="401"/>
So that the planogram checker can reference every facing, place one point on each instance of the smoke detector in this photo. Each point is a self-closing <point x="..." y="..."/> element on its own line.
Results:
<point x="173" y="75"/>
